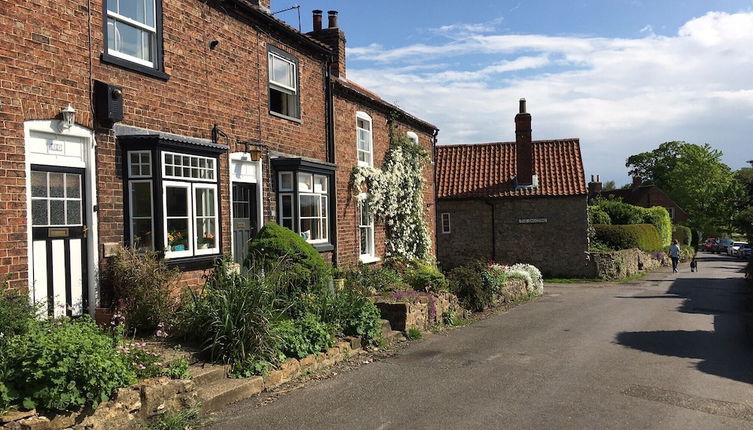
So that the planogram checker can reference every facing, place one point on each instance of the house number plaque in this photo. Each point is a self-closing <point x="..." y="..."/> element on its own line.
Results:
<point x="532" y="220"/>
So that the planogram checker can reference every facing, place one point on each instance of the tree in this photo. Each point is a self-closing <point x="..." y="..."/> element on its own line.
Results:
<point x="745" y="177"/>
<point x="696" y="179"/>
<point x="609" y="186"/>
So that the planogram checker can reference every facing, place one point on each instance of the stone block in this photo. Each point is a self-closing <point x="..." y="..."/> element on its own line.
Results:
<point x="129" y="397"/>
<point x="344" y="347"/>
<point x="355" y="341"/>
<point x="16" y="416"/>
<point x="274" y="379"/>
<point x="35" y="423"/>
<point x="63" y="421"/>
<point x="290" y="368"/>
<point x="308" y="364"/>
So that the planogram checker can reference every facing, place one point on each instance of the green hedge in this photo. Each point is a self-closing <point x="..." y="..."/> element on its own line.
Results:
<point x="682" y="234"/>
<point x="659" y="218"/>
<point x="617" y="212"/>
<point x="620" y="213"/>
<point x="641" y="236"/>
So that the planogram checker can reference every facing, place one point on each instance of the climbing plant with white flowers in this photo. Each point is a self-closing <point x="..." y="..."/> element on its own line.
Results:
<point x="395" y="196"/>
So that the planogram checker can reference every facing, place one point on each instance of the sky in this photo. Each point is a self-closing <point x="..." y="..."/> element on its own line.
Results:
<point x="624" y="76"/>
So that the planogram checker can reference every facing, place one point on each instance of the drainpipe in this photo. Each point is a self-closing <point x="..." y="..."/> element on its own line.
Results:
<point x="494" y="230"/>
<point x="434" y="172"/>
<point x="329" y="129"/>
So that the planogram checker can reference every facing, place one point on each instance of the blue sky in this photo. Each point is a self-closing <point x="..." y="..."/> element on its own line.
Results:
<point x="622" y="75"/>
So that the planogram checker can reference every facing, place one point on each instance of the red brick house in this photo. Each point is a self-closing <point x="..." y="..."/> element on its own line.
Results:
<point x="180" y="126"/>
<point x="513" y="202"/>
<point x="639" y="194"/>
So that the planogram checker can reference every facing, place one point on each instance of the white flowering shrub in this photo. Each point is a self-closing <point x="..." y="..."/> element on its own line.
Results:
<point x="531" y="274"/>
<point x="395" y="194"/>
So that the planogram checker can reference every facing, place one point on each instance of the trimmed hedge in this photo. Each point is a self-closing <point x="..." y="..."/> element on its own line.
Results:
<point x="642" y="236"/>
<point x="659" y="218"/>
<point x="682" y="234"/>
<point x="598" y="215"/>
<point x="617" y="212"/>
<point x="621" y="213"/>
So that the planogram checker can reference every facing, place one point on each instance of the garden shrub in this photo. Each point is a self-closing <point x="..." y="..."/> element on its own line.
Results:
<point x="349" y="310"/>
<point x="304" y="336"/>
<point x="495" y="277"/>
<point x="619" y="212"/>
<point x="642" y="236"/>
<point x="372" y="278"/>
<point x="421" y="275"/>
<point x="298" y="265"/>
<point x="64" y="364"/>
<point x="659" y="218"/>
<point x="682" y="234"/>
<point x="597" y="215"/>
<point x="467" y="283"/>
<point x="16" y="313"/>
<point x="232" y="317"/>
<point x="144" y="288"/>
<point x="535" y="282"/>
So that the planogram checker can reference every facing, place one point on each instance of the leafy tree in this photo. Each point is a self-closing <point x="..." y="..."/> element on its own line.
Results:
<point x="745" y="177"/>
<point x="696" y="179"/>
<point x="609" y="186"/>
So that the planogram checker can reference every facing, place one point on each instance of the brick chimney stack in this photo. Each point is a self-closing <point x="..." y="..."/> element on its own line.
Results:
<point x="265" y="4"/>
<point x="637" y="180"/>
<point x="594" y="187"/>
<point x="333" y="37"/>
<point x="523" y="146"/>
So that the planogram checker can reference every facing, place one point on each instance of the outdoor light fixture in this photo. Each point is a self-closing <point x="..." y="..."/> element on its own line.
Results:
<point x="254" y="151"/>
<point x="69" y="117"/>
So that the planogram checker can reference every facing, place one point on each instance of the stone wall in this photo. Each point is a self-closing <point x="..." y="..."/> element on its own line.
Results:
<point x="623" y="263"/>
<point x="548" y="232"/>
<point x="417" y="310"/>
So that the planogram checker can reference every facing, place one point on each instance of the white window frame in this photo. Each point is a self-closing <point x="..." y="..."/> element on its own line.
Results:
<point x="141" y="26"/>
<point x="290" y="218"/>
<point x="293" y="73"/>
<point x="65" y="199"/>
<point x="370" y="256"/>
<point x="141" y="164"/>
<point x="412" y="136"/>
<point x="291" y="175"/>
<point x="671" y="211"/>
<point x="130" y="208"/>
<point x="370" y="133"/>
<point x="442" y="217"/>
<point x="189" y="215"/>
<point x="322" y="217"/>
<point x="195" y="220"/>
<point x="212" y="169"/>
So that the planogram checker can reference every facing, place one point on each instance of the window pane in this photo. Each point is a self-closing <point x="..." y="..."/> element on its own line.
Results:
<point x="73" y="185"/>
<point x="177" y="201"/>
<point x="204" y="202"/>
<point x="320" y="184"/>
<point x="364" y="241"/>
<point x="363" y="140"/>
<point x="132" y="41"/>
<point x="310" y="229"/>
<point x="142" y="233"/>
<point x="304" y="182"/>
<point x="138" y="10"/>
<point x="177" y="235"/>
<point x="287" y="223"/>
<point x="205" y="229"/>
<point x="56" y="185"/>
<point x="38" y="184"/>
<point x="57" y="212"/>
<point x="286" y="181"/>
<point x="287" y="206"/>
<point x="73" y="212"/>
<point x="282" y="72"/>
<point x="309" y="206"/>
<point x="141" y="199"/>
<point x="39" y="212"/>
<point x="112" y="5"/>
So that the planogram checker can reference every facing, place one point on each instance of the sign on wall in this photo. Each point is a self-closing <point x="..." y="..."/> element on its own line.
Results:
<point x="532" y="220"/>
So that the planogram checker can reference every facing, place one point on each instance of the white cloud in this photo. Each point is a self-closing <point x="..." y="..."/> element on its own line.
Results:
<point x="619" y="95"/>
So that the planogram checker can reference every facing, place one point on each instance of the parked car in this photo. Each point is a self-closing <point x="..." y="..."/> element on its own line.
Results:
<point x="708" y="245"/>
<point x="745" y="251"/>
<point x="721" y="245"/>
<point x="733" y="249"/>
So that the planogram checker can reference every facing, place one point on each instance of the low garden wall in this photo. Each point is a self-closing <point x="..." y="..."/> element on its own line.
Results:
<point x="624" y="263"/>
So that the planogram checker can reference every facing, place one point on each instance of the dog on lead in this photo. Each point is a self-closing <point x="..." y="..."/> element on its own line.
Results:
<point x="693" y="265"/>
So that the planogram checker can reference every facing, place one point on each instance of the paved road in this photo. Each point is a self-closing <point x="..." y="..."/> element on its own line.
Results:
<point x="666" y="352"/>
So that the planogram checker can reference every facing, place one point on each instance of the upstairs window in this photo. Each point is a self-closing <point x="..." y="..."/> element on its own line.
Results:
<point x="133" y="31"/>
<point x="445" y="222"/>
<point x="283" y="84"/>
<point x="364" y="140"/>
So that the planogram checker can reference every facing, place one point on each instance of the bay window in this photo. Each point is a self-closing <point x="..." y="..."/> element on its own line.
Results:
<point x="172" y="199"/>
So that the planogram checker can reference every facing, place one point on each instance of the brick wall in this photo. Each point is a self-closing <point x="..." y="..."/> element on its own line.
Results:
<point x="348" y="247"/>
<point x="45" y="61"/>
<point x="556" y="247"/>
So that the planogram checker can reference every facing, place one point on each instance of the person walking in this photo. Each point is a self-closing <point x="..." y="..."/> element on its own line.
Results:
<point x="674" y="254"/>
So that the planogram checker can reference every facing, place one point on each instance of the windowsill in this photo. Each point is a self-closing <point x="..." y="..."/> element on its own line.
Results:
<point x="201" y="262"/>
<point x="368" y="259"/>
<point x="136" y="67"/>
<point x="289" y="118"/>
<point x="323" y="247"/>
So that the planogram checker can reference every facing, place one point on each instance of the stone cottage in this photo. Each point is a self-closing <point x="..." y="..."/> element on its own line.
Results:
<point x="179" y="127"/>
<point x="513" y="202"/>
<point x="639" y="194"/>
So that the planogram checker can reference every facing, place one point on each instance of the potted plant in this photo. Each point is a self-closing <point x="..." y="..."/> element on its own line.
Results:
<point x="206" y="241"/>
<point x="176" y="241"/>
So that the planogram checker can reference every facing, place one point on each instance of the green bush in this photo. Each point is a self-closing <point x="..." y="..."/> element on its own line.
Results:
<point x="64" y="364"/>
<point x="659" y="218"/>
<point x="641" y="236"/>
<point x="619" y="212"/>
<point x="299" y="266"/>
<point x="16" y="313"/>
<point x="468" y="284"/>
<point x="597" y="215"/>
<point x="232" y="318"/>
<point x="421" y="275"/>
<point x="143" y="286"/>
<point x="304" y="336"/>
<point x="349" y="310"/>
<point x="682" y="234"/>
<point x="372" y="278"/>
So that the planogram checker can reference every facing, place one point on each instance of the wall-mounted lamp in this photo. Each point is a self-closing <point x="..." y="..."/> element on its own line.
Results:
<point x="253" y="150"/>
<point x="69" y="117"/>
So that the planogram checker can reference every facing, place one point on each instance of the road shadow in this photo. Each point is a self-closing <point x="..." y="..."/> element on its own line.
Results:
<point x="725" y="351"/>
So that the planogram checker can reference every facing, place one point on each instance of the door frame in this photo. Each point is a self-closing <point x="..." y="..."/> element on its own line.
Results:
<point x="240" y="158"/>
<point x="85" y="160"/>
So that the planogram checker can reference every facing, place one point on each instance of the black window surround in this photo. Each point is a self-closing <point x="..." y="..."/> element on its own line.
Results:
<point x="157" y="70"/>
<point x="156" y="145"/>
<point x="284" y="102"/>
<point x="299" y="165"/>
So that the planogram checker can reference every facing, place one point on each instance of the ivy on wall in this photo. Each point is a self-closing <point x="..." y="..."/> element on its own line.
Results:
<point x="395" y="196"/>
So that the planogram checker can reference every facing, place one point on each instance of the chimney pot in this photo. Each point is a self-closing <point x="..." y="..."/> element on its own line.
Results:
<point x="522" y="106"/>
<point x="332" y="18"/>
<point x="598" y="178"/>
<point x="317" y="19"/>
